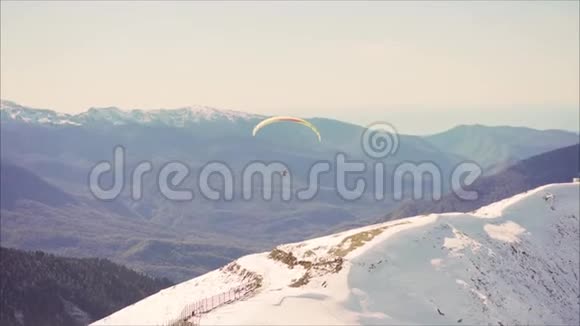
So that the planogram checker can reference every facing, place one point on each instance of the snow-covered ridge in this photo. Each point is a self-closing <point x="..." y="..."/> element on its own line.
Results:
<point x="512" y="262"/>
<point x="180" y="117"/>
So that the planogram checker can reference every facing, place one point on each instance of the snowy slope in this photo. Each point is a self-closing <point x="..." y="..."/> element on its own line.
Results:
<point x="512" y="262"/>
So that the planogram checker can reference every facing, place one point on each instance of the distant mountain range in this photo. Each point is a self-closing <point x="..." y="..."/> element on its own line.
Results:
<point x="502" y="146"/>
<point x="557" y="166"/>
<point x="19" y="184"/>
<point x="37" y="215"/>
<point x="40" y="289"/>
<point x="47" y="156"/>
<point x="181" y="117"/>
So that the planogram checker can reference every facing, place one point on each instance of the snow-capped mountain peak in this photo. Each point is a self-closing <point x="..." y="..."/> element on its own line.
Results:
<point x="181" y="117"/>
<point x="512" y="262"/>
<point x="13" y="111"/>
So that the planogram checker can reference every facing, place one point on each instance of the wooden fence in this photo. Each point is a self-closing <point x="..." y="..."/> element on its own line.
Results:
<point x="192" y="313"/>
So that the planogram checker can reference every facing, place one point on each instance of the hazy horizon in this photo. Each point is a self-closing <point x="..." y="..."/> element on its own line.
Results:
<point x="422" y="66"/>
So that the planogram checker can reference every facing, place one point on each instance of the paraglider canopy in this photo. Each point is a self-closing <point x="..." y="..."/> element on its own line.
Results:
<point x="271" y="120"/>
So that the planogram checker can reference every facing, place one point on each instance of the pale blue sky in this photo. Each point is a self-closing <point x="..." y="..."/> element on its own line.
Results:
<point x="423" y="66"/>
